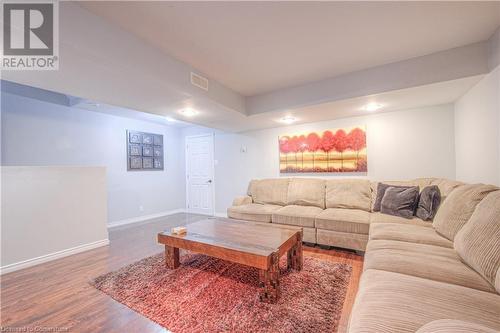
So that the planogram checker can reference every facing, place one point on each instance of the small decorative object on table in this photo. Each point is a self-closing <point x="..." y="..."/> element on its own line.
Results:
<point x="178" y="230"/>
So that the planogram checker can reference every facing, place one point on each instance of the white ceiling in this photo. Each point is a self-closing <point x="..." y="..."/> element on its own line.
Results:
<point x="397" y="100"/>
<point x="129" y="113"/>
<point x="257" y="47"/>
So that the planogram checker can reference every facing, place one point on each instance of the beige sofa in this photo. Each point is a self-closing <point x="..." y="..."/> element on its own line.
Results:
<point x="428" y="277"/>
<point x="333" y="212"/>
<point x="440" y="279"/>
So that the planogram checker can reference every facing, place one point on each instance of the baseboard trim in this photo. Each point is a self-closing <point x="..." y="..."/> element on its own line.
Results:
<point x="221" y="214"/>
<point x="52" y="256"/>
<point x="143" y="218"/>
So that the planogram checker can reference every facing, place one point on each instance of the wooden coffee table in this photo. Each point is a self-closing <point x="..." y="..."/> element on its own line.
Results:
<point x="252" y="244"/>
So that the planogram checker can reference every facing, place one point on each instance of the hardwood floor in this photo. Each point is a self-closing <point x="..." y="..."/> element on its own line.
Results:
<point x="56" y="295"/>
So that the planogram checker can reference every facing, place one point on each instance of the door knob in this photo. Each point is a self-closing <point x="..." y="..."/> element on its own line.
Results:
<point x="209" y="181"/>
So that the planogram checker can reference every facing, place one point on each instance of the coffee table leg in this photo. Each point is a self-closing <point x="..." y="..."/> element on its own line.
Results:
<point x="294" y="256"/>
<point x="171" y="257"/>
<point x="270" y="281"/>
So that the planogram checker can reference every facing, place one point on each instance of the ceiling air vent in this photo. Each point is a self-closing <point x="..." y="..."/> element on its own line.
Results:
<point x="199" y="81"/>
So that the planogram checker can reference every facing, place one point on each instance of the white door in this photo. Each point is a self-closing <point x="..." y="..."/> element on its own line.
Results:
<point x="200" y="174"/>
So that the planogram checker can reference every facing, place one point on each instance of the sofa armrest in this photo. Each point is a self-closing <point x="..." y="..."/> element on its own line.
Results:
<point x="243" y="200"/>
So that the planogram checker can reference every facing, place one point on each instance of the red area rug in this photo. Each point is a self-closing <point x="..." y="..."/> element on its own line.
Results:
<point x="212" y="295"/>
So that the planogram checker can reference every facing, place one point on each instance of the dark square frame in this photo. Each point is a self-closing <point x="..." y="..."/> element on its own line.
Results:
<point x="149" y="161"/>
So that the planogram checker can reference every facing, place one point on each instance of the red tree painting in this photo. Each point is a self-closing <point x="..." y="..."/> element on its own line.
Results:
<point x="340" y="143"/>
<point x="285" y="148"/>
<point x="342" y="150"/>
<point x="302" y="147"/>
<point x="356" y="141"/>
<point x="313" y="144"/>
<point x="327" y="145"/>
<point x="294" y="146"/>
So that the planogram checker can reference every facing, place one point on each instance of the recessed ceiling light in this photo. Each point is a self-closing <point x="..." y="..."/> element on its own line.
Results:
<point x="288" y="120"/>
<point x="370" y="107"/>
<point x="188" y="112"/>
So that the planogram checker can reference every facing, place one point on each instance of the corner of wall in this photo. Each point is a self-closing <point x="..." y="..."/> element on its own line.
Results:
<point x="477" y="129"/>
<point x="494" y="50"/>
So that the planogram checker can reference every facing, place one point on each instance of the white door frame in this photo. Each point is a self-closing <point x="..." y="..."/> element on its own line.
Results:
<point x="186" y="139"/>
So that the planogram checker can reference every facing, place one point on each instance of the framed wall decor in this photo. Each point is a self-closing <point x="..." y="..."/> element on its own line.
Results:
<point x="144" y="151"/>
<point x="333" y="151"/>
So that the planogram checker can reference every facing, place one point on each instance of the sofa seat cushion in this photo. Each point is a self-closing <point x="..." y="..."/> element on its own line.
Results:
<point x="253" y="212"/>
<point x="344" y="220"/>
<point x="425" y="261"/>
<point x="408" y="233"/>
<point x="347" y="240"/>
<point x="302" y="216"/>
<point x="308" y="235"/>
<point x="391" y="302"/>
<point x="454" y="326"/>
<point x="385" y="218"/>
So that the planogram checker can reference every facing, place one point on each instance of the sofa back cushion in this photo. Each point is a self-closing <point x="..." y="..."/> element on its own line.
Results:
<point x="457" y="209"/>
<point x="348" y="193"/>
<point x="306" y="192"/>
<point x="422" y="182"/>
<point x="271" y="191"/>
<point x="445" y="186"/>
<point x="478" y="242"/>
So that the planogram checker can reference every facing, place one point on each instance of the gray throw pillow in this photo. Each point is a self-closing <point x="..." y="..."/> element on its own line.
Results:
<point x="400" y="201"/>
<point x="381" y="188"/>
<point x="428" y="203"/>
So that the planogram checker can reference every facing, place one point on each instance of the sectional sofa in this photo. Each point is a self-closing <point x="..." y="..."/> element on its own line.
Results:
<point x="333" y="212"/>
<point x="437" y="276"/>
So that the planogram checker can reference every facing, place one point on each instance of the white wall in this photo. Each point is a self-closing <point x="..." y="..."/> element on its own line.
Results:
<point x="51" y="211"/>
<point x="37" y="133"/>
<point x="477" y="130"/>
<point x="400" y="145"/>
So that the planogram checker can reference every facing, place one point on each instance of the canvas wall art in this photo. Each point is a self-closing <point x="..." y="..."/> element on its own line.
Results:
<point x="333" y="151"/>
<point x="144" y="151"/>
